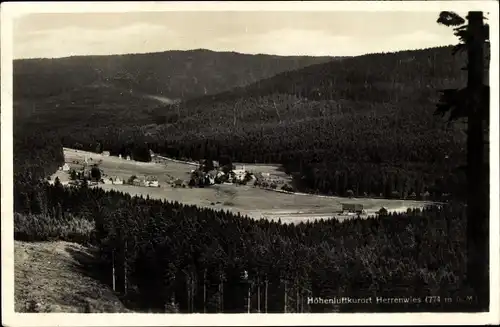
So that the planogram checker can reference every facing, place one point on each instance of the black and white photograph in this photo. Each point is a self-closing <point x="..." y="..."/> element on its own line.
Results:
<point x="193" y="161"/>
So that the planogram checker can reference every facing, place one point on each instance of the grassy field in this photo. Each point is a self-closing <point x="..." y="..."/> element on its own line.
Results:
<point x="53" y="277"/>
<point x="248" y="200"/>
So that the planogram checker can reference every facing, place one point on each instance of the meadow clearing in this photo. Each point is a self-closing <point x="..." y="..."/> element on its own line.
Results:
<point x="246" y="199"/>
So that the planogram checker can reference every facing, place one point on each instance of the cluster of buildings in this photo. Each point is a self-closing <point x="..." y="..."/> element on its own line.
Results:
<point x="148" y="181"/>
<point x="352" y="209"/>
<point x="218" y="175"/>
<point x="113" y="181"/>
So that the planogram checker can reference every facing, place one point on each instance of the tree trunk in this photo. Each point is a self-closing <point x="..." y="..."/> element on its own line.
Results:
<point x="248" y="299"/>
<point x="205" y="291"/>
<point x="125" y="270"/>
<point x="258" y="295"/>
<point x="286" y="290"/>
<point x="297" y="301"/>
<point x="113" y="264"/>
<point x="188" y="290"/>
<point x="265" y="304"/>
<point x="478" y="195"/>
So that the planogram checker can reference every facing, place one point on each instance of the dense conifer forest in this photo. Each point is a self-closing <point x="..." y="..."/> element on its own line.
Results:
<point x="365" y="124"/>
<point x="176" y="258"/>
<point x="172" y="74"/>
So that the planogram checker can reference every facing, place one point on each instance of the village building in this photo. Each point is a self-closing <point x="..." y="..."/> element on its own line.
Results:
<point x="151" y="181"/>
<point x="210" y="177"/>
<point x="352" y="208"/>
<point x="106" y="153"/>
<point x="108" y="180"/>
<point x="118" y="181"/>
<point x="239" y="174"/>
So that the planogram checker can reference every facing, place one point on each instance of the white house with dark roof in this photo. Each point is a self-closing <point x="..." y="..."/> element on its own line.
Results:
<point x="151" y="181"/>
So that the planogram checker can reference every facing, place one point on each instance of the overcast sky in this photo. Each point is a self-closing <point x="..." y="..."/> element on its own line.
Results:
<point x="282" y="33"/>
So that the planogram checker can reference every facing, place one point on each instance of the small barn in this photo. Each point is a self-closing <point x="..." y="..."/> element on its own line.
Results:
<point x="210" y="177"/>
<point x="151" y="181"/>
<point x="352" y="208"/>
<point x="108" y="180"/>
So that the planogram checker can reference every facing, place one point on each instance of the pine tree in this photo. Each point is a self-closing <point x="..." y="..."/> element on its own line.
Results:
<point x="472" y="103"/>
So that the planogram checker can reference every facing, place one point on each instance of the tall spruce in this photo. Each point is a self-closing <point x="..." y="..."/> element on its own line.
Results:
<point x="472" y="103"/>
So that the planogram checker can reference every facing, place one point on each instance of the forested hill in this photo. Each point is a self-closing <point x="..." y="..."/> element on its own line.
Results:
<point x="364" y="124"/>
<point x="413" y="75"/>
<point x="368" y="116"/>
<point x="171" y="74"/>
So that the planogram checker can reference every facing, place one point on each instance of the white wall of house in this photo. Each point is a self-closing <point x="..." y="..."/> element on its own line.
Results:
<point x="152" y="183"/>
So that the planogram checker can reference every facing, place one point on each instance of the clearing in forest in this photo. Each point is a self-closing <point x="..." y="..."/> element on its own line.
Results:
<point x="248" y="200"/>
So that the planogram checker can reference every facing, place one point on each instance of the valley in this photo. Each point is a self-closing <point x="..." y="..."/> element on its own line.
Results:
<point x="208" y="182"/>
<point x="246" y="200"/>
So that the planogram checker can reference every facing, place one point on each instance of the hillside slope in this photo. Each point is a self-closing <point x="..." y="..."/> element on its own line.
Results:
<point x="171" y="74"/>
<point x="93" y="105"/>
<point x="363" y="124"/>
<point x="405" y="76"/>
<point x="369" y="116"/>
<point x="51" y="277"/>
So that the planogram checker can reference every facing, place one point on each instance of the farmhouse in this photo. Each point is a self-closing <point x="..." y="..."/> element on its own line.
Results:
<point x="118" y="181"/>
<point x="106" y="153"/>
<point x="151" y="181"/>
<point x="210" y="177"/>
<point x="352" y="208"/>
<point x="108" y="180"/>
<point x="239" y="174"/>
<point x="178" y="182"/>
